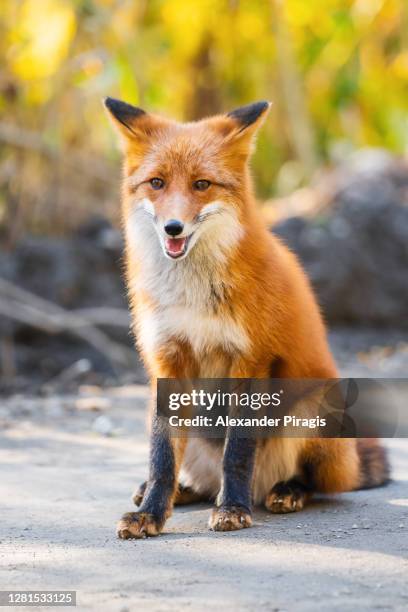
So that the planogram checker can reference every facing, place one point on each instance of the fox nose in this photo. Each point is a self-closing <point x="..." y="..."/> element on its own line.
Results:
<point x="173" y="227"/>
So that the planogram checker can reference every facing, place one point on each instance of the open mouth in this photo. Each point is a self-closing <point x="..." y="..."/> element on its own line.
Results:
<point x="176" y="247"/>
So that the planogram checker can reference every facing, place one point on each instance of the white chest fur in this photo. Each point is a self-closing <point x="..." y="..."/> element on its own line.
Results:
<point x="202" y="330"/>
<point x="186" y="294"/>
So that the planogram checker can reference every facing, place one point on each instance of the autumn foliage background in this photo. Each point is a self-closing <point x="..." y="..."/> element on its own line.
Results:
<point x="335" y="70"/>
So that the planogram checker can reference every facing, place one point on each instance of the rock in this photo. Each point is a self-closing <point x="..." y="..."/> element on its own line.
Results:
<point x="81" y="270"/>
<point x="78" y="271"/>
<point x="103" y="425"/>
<point x="355" y="250"/>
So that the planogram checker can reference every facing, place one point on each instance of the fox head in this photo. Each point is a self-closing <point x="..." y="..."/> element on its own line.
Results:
<point x="188" y="181"/>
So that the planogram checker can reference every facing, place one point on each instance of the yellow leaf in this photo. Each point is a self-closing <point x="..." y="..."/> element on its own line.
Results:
<point x="41" y="37"/>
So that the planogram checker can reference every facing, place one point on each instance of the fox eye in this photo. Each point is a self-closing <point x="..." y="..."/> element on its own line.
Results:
<point x="157" y="183"/>
<point x="201" y="185"/>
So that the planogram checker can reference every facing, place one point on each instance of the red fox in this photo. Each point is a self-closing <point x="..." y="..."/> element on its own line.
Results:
<point x="214" y="294"/>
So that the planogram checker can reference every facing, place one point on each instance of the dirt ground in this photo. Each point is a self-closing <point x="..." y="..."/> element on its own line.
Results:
<point x="70" y="463"/>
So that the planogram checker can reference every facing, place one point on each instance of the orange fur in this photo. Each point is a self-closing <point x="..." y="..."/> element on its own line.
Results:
<point x="262" y="290"/>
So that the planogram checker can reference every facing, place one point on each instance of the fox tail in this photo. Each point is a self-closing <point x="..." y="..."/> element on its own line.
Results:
<point x="374" y="464"/>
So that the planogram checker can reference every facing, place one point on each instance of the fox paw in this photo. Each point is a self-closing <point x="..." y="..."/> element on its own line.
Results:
<point x="229" y="518"/>
<point x="138" y="525"/>
<point x="286" y="497"/>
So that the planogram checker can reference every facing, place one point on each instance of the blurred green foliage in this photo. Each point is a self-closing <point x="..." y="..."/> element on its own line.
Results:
<point x="336" y="71"/>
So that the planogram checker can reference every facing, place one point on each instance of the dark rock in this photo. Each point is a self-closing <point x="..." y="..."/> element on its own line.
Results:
<point x="356" y="251"/>
<point x="79" y="271"/>
<point x="82" y="270"/>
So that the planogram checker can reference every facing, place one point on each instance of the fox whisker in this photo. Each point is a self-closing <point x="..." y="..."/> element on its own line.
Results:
<point x="205" y="215"/>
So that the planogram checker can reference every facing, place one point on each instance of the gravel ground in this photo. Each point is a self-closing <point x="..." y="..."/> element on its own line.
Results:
<point x="64" y="484"/>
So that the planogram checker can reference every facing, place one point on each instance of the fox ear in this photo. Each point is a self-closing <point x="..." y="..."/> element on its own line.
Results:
<point x="125" y="116"/>
<point x="240" y="125"/>
<point x="136" y="127"/>
<point x="250" y="116"/>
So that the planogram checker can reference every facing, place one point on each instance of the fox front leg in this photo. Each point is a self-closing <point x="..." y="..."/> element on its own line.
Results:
<point x="165" y="458"/>
<point x="233" y="509"/>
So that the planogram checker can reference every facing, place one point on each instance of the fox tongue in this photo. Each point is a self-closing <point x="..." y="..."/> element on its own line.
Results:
<point x="175" y="245"/>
